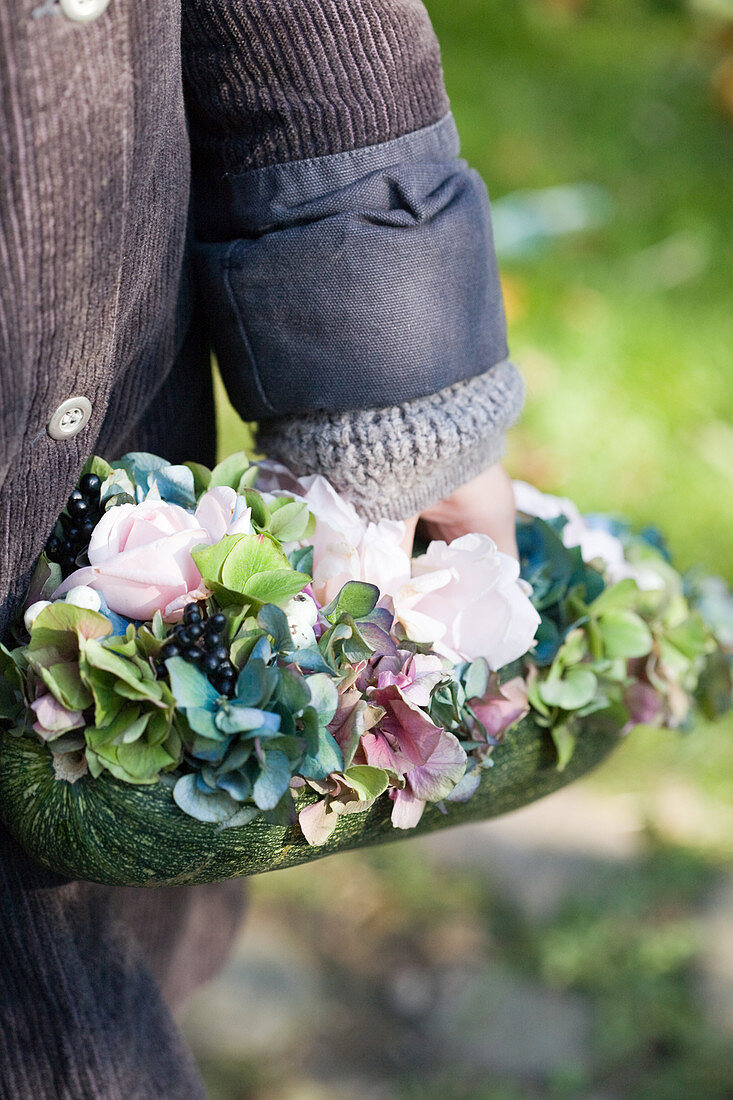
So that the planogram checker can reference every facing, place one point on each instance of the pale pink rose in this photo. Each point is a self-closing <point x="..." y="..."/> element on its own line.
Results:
<point x="346" y="548"/>
<point x="53" y="719"/>
<point x="140" y="554"/>
<point x="466" y="599"/>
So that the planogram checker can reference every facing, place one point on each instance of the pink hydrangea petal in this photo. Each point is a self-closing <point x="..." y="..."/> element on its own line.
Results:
<point x="52" y="717"/>
<point x="438" y="776"/>
<point x="406" y="809"/>
<point x="380" y="754"/>
<point x="317" y="822"/>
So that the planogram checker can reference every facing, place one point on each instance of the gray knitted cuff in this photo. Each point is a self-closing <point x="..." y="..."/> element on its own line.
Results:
<point x="394" y="462"/>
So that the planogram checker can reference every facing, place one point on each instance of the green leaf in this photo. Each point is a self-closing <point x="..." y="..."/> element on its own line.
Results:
<point x="137" y="676"/>
<point x="617" y="597"/>
<point x="201" y="476"/>
<point x="275" y="586"/>
<point x="273" y="780"/>
<point x="62" y="625"/>
<point x="576" y="688"/>
<point x="260" y="514"/>
<point x="189" y="686"/>
<point x="107" y="703"/>
<point x="356" y="598"/>
<point x="368" y="782"/>
<point x="64" y="682"/>
<point x="289" y="522"/>
<point x="565" y="742"/>
<point x="230" y="471"/>
<point x="691" y="637"/>
<point x="210" y="559"/>
<point x="139" y="762"/>
<point x="97" y="466"/>
<point x="45" y="580"/>
<point x="252" y="554"/>
<point x="624" y="634"/>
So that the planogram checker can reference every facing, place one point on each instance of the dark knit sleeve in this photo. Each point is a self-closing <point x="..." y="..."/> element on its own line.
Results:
<point x="344" y="250"/>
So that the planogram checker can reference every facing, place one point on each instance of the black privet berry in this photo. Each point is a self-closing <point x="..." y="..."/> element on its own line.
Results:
<point x="182" y="636"/>
<point x="170" y="649"/>
<point x="195" y="630"/>
<point x="90" y="485"/>
<point x="216" y="622"/>
<point x="210" y="663"/>
<point x="213" y="641"/>
<point x="193" y="654"/>
<point x="77" y="507"/>
<point x="221" y="652"/>
<point x="52" y="546"/>
<point x="192" y="614"/>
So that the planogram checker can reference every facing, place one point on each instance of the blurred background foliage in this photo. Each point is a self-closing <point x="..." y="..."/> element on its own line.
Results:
<point x="584" y="947"/>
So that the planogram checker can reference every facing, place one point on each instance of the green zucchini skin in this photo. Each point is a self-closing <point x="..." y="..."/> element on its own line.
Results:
<point x="110" y="832"/>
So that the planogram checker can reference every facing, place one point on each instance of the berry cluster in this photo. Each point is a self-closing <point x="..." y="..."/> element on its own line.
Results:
<point x="201" y="642"/>
<point x="83" y="513"/>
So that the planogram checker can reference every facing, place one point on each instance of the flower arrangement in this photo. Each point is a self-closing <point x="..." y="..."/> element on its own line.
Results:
<point x="237" y="649"/>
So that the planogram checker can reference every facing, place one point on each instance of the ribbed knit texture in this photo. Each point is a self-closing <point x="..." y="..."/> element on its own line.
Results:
<point x="394" y="462"/>
<point x="269" y="81"/>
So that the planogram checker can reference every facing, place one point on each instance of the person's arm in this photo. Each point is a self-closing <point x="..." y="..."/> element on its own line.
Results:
<point x="344" y="250"/>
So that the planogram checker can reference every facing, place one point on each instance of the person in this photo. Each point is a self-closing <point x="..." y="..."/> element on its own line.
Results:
<point x="279" y="179"/>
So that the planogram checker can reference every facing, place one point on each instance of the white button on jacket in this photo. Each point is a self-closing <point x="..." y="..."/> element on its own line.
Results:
<point x="70" y="418"/>
<point x="83" y="11"/>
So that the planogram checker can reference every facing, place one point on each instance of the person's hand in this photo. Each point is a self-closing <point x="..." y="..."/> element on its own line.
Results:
<point x="484" y="505"/>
